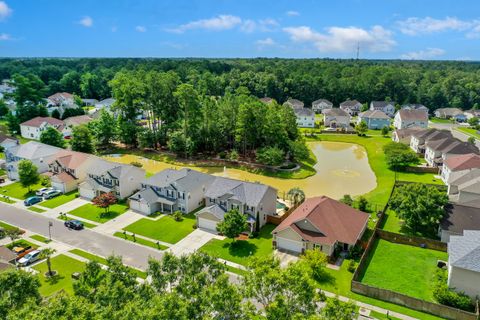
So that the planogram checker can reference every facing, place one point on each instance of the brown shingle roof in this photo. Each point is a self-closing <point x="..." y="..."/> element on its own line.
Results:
<point x="335" y="221"/>
<point x="38" y="121"/>
<point x="71" y="159"/>
<point x="407" y="114"/>
<point x="77" y="120"/>
<point x="463" y="162"/>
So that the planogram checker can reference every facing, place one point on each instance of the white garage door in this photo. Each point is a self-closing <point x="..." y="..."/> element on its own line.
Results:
<point x="207" y="224"/>
<point x="289" y="245"/>
<point x="87" y="193"/>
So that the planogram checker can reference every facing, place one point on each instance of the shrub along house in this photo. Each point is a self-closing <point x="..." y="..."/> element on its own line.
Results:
<point x="171" y="190"/>
<point x="103" y="177"/>
<point x="322" y="223"/>
<point x="256" y="200"/>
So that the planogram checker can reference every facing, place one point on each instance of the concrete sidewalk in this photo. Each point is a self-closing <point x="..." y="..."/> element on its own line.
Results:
<point x="118" y="223"/>
<point x="192" y="242"/>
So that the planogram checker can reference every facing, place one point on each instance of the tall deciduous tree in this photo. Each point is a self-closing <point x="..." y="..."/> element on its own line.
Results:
<point x="104" y="129"/>
<point x="82" y="139"/>
<point x="52" y="137"/>
<point x="28" y="173"/>
<point x="399" y="156"/>
<point x="29" y="89"/>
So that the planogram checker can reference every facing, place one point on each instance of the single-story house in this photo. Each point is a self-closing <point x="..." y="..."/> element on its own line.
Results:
<point x="407" y="118"/>
<point x="321" y="104"/>
<point x="386" y="106"/>
<point x="322" y="223"/>
<point x="464" y="263"/>
<point x="108" y="177"/>
<point x="305" y="117"/>
<point x="170" y="190"/>
<point x="375" y="119"/>
<point x="33" y="128"/>
<point x="436" y="152"/>
<point x="69" y="168"/>
<point x="458" y="218"/>
<point x="421" y="137"/>
<point x="255" y="200"/>
<point x="38" y="153"/>
<point x="450" y="113"/>
<point x="336" y="118"/>
<point x="404" y="135"/>
<point x="352" y="107"/>
<point x="294" y="104"/>
<point x="457" y="166"/>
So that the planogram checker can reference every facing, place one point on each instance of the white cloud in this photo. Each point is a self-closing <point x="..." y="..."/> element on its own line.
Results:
<point x="5" y="37"/>
<point x="221" y="22"/>
<point x="141" y="29"/>
<point x="5" y="10"/>
<point x="263" y="25"/>
<point x="428" y="53"/>
<point x="416" y="26"/>
<point x="86" y="21"/>
<point x="248" y="26"/>
<point x="292" y="13"/>
<point x="339" y="39"/>
<point x="265" y="42"/>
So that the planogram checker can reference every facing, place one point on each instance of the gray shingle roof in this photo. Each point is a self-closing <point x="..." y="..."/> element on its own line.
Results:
<point x="314" y="103"/>
<point x="335" y="112"/>
<point x="215" y="210"/>
<point x="382" y="104"/>
<point x="33" y="150"/>
<point x="186" y="179"/>
<point x="464" y="251"/>
<point x="460" y="218"/>
<point x="294" y="103"/>
<point x="374" y="114"/>
<point x="304" y="112"/>
<point x="415" y="114"/>
<point x="349" y="103"/>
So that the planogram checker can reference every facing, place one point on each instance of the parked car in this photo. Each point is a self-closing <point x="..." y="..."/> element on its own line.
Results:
<point x="51" y="194"/>
<point x="30" y="258"/>
<point x="32" y="200"/>
<point x="41" y="191"/>
<point x="74" y="224"/>
<point x="24" y="253"/>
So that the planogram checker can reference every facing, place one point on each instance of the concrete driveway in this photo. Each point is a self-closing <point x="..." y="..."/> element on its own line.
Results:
<point x="192" y="242"/>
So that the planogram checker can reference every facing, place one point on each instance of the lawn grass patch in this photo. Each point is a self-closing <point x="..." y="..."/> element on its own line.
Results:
<point x="65" y="267"/>
<point x="17" y="191"/>
<point x="241" y="251"/>
<point x="402" y="268"/>
<point x="93" y="213"/>
<point x="440" y="120"/>
<point x="165" y="229"/>
<point x="7" y="226"/>
<point x="381" y="316"/>
<point x="238" y="271"/>
<point x="140" y="241"/>
<point x="469" y="131"/>
<point x="21" y="243"/>
<point x="101" y="260"/>
<point x="36" y="209"/>
<point x="85" y="224"/>
<point x="61" y="199"/>
<point x="40" y="238"/>
<point x="6" y="200"/>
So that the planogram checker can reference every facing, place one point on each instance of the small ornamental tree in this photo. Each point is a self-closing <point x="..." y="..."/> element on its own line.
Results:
<point x="28" y="173"/>
<point x="361" y="128"/>
<point x="233" y="224"/>
<point x="385" y="131"/>
<point x="347" y="199"/>
<point x="105" y="200"/>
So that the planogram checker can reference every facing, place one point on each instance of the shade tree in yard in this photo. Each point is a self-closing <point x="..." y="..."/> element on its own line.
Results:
<point x="399" y="156"/>
<point x="233" y="224"/>
<point x="28" y="173"/>
<point x="105" y="200"/>
<point x="52" y="137"/>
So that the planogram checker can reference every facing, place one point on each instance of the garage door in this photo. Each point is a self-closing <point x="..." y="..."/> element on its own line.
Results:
<point x="87" y="193"/>
<point x="207" y="224"/>
<point x="289" y="245"/>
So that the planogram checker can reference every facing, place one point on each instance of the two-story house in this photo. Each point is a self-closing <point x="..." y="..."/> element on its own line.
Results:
<point x="352" y="107"/>
<point x="33" y="128"/>
<point x="408" y="118"/>
<point x="305" y="117"/>
<point x="171" y="190"/>
<point x="38" y="153"/>
<point x="72" y="122"/>
<point x="294" y="104"/>
<point x="103" y="177"/>
<point x="375" y="119"/>
<point x="336" y="118"/>
<point x="61" y="101"/>
<point x="438" y="151"/>
<point x="455" y="167"/>
<point x="69" y="169"/>
<point x="321" y="104"/>
<point x="450" y="113"/>
<point x="420" y="137"/>
<point x="255" y="200"/>
<point x="386" y="106"/>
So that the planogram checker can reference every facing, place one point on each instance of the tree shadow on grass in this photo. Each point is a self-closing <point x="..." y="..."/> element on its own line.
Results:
<point x="54" y="279"/>
<point x="241" y="248"/>
<point x="109" y="215"/>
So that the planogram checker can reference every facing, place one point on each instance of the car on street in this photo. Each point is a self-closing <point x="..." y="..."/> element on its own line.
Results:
<point x="51" y="194"/>
<point x="74" y="224"/>
<point x="41" y="191"/>
<point x="32" y="200"/>
<point x="30" y="258"/>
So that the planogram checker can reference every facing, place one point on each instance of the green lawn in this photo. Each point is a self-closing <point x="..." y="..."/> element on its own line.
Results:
<point x="62" y="199"/>
<point x="21" y="243"/>
<point x="140" y="241"/>
<point x="85" y="224"/>
<point x="90" y="212"/>
<point x="385" y="177"/>
<point x="381" y="316"/>
<point x="36" y="209"/>
<point x="92" y="257"/>
<point x="470" y="131"/>
<point x="65" y="267"/>
<point x="403" y="268"/>
<point x="165" y="229"/>
<point x="7" y="226"/>
<point x="240" y="251"/>
<point x="15" y="190"/>
<point x="440" y="120"/>
<point x="6" y="200"/>
<point x="40" y="238"/>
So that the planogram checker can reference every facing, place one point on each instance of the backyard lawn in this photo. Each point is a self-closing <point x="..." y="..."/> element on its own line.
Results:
<point x="15" y="190"/>
<point x="403" y="268"/>
<point x="165" y="229"/>
<point x="90" y="212"/>
<point x="65" y="267"/>
<point x="57" y="201"/>
<point x="240" y="251"/>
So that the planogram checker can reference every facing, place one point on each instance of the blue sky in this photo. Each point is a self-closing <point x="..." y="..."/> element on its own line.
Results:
<point x="387" y="29"/>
